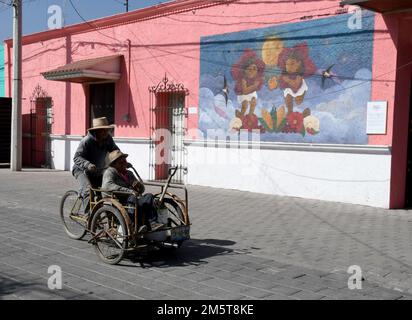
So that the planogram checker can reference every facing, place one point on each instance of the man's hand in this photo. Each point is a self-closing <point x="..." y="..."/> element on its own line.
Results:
<point x="138" y="186"/>
<point x="91" y="167"/>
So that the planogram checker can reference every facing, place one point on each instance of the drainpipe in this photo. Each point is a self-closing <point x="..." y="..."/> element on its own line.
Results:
<point x="126" y="117"/>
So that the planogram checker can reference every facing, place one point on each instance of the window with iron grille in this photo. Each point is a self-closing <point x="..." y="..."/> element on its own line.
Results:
<point x="168" y="128"/>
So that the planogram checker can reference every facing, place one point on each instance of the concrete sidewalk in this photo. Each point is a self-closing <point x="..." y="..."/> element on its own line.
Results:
<point x="243" y="246"/>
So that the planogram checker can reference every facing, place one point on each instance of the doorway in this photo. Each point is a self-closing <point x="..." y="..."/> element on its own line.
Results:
<point x="102" y="101"/>
<point x="5" y="129"/>
<point x="36" y="130"/>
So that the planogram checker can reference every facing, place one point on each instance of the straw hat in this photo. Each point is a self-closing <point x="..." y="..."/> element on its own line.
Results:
<point x="116" y="154"/>
<point x="101" y="123"/>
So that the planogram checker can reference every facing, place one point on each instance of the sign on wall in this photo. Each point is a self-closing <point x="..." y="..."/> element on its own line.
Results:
<point x="376" y="117"/>
<point x="300" y="82"/>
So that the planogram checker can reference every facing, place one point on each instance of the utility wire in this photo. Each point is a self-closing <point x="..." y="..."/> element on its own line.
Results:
<point x="253" y="16"/>
<point x="361" y="81"/>
<point x="174" y="53"/>
<point x="252" y="22"/>
<point x="93" y="26"/>
<point x="6" y="4"/>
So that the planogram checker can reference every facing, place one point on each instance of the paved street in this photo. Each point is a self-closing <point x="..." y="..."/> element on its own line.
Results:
<point x="243" y="246"/>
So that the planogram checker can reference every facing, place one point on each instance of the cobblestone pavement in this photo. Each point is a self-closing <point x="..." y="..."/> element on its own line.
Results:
<point x="243" y="246"/>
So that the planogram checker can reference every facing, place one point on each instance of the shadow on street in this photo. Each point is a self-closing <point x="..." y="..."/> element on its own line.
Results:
<point x="192" y="252"/>
<point x="9" y="287"/>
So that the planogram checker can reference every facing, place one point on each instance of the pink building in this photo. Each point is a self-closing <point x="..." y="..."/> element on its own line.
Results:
<point x="307" y="98"/>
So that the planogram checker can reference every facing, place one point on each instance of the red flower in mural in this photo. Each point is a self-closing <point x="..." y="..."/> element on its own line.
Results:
<point x="295" y="121"/>
<point x="310" y="131"/>
<point x="250" y="122"/>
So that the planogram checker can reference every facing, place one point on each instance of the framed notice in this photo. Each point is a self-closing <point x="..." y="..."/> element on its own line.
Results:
<point x="192" y="110"/>
<point x="376" y="117"/>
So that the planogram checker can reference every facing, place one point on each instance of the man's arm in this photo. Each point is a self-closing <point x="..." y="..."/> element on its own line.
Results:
<point x="80" y="156"/>
<point x="136" y="184"/>
<point x="110" y="182"/>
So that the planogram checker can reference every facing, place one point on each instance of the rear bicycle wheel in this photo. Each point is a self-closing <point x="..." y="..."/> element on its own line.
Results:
<point x="74" y="222"/>
<point x="110" y="234"/>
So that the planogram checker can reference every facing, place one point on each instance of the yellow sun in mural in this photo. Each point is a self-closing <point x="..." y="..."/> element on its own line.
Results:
<point x="271" y="49"/>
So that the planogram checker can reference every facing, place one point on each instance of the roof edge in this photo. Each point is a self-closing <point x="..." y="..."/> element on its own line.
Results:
<point x="148" y="13"/>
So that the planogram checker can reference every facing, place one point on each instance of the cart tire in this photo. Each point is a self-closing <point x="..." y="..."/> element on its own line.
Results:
<point x="175" y="211"/>
<point x="109" y="222"/>
<point x="69" y="213"/>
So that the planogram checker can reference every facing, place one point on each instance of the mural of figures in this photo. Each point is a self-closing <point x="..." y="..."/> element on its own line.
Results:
<point x="300" y="82"/>
<point x="248" y="74"/>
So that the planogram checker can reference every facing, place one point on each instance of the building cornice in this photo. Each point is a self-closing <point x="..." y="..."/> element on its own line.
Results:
<point x="148" y="13"/>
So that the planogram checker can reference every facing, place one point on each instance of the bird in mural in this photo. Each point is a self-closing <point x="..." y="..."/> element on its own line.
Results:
<point x="225" y="89"/>
<point x="328" y="74"/>
<point x="221" y="113"/>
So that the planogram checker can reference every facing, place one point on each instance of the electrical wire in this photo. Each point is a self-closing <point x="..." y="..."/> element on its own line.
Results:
<point x="7" y="4"/>
<point x="153" y="46"/>
<point x="253" y="16"/>
<point x="362" y="81"/>
<point x="147" y="48"/>
<point x="91" y="25"/>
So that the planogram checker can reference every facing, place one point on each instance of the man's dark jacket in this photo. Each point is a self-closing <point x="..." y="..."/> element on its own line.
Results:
<point x="90" y="152"/>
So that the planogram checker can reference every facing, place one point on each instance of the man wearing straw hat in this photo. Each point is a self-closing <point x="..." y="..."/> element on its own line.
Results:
<point x="90" y="157"/>
<point x="118" y="178"/>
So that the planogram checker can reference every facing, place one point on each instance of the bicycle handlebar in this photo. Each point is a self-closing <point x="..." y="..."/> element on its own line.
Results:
<point x="172" y="171"/>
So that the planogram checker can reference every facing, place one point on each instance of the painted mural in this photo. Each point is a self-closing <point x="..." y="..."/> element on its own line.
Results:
<point x="302" y="82"/>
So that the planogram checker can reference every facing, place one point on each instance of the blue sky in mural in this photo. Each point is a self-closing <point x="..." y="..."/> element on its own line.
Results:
<point x="326" y="108"/>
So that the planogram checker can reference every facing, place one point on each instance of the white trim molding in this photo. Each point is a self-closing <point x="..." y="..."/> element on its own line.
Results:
<point x="311" y="147"/>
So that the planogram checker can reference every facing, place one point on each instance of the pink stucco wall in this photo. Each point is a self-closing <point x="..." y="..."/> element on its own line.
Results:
<point x="384" y="72"/>
<point x="171" y="45"/>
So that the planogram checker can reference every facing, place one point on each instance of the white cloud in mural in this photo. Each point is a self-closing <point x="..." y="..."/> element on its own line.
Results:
<point x="214" y="114"/>
<point x="331" y="127"/>
<point x="346" y="106"/>
<point x="222" y="108"/>
<point x="342" y="118"/>
<point x="214" y="83"/>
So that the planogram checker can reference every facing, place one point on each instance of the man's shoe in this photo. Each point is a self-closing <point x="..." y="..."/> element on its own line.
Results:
<point x="156" y="225"/>
<point x="142" y="229"/>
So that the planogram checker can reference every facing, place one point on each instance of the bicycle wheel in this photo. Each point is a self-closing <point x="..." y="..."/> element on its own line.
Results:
<point x="110" y="234"/>
<point x="74" y="222"/>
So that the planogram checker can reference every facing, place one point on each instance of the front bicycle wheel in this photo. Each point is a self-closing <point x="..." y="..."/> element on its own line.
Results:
<point x="109" y="234"/>
<point x="74" y="222"/>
